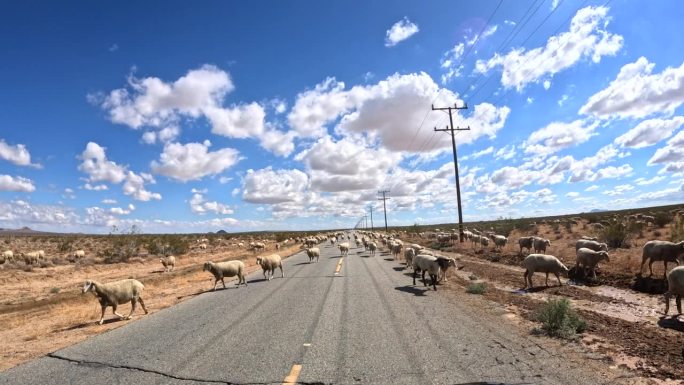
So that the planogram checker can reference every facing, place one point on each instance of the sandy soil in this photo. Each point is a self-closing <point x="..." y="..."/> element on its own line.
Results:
<point x="54" y="314"/>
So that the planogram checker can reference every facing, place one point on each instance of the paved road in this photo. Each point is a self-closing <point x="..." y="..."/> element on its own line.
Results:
<point x="366" y="325"/>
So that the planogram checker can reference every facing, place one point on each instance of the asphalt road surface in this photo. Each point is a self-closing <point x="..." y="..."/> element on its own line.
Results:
<point x="365" y="325"/>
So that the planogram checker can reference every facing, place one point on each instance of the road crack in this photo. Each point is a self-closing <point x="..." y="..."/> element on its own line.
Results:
<point x="167" y="375"/>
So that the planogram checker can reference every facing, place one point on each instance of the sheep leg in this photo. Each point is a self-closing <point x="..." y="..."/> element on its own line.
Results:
<point x="433" y="278"/>
<point x="215" y="282"/>
<point x="415" y="272"/>
<point x="133" y="304"/>
<point x="665" y="269"/>
<point x="558" y="278"/>
<point x="525" y="276"/>
<point x="678" y="300"/>
<point x="103" y="311"/>
<point x="117" y="314"/>
<point x="643" y="261"/>
<point x="424" y="283"/>
<point x="667" y="302"/>
<point x="547" y="279"/>
<point x="142" y="303"/>
<point x="650" y="267"/>
<point x="223" y="282"/>
<point x="282" y="274"/>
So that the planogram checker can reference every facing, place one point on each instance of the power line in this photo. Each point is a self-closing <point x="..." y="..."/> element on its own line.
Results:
<point x="370" y="207"/>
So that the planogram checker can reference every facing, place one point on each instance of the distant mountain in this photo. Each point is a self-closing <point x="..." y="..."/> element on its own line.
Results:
<point x="222" y="232"/>
<point x="597" y="210"/>
<point x="23" y="231"/>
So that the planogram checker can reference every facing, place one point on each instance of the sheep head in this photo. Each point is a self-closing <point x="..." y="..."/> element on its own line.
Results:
<point x="259" y="260"/>
<point x="604" y="255"/>
<point x="88" y="286"/>
<point x="207" y="266"/>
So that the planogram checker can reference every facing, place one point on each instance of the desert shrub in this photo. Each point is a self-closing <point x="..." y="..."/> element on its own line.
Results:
<point x="662" y="219"/>
<point x="568" y="226"/>
<point x="476" y="288"/>
<point x="657" y="233"/>
<point x="54" y="290"/>
<point x="555" y="226"/>
<point x="558" y="319"/>
<point x="593" y="218"/>
<point x="636" y="227"/>
<point x="677" y="231"/>
<point x="506" y="226"/>
<point x="167" y="245"/>
<point x="65" y="245"/>
<point x="472" y="277"/>
<point x="495" y="257"/>
<point x="615" y="235"/>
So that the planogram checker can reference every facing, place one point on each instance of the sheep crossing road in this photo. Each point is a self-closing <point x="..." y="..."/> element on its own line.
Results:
<point x="365" y="325"/>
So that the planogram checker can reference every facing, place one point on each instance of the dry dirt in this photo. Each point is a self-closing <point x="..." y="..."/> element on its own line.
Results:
<point x="624" y="324"/>
<point x="43" y="310"/>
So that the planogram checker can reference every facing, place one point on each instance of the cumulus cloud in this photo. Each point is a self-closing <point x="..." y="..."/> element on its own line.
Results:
<point x="21" y="213"/>
<point x="400" y="31"/>
<point x="274" y="186"/>
<point x="636" y="92"/>
<point x="122" y="211"/>
<point x="109" y="201"/>
<point x="559" y="135"/>
<point x="199" y="205"/>
<point x="587" y="38"/>
<point x="193" y="161"/>
<point x="505" y="153"/>
<point x="645" y="182"/>
<point x="100" y="169"/>
<point x="16" y="154"/>
<point x="572" y="194"/>
<point x="16" y="184"/>
<point x="671" y="153"/>
<point x="619" y="190"/>
<point x="592" y="188"/>
<point x="478" y="154"/>
<point x="650" y="132"/>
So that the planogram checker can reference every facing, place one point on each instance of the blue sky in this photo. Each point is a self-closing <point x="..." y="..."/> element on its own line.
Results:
<point x="292" y="115"/>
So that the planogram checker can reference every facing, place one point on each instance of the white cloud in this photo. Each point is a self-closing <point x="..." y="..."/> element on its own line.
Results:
<point x="554" y="4"/>
<point x="510" y="22"/>
<point x="592" y="188"/>
<point x="559" y="135"/>
<point x="636" y="92"/>
<point x="201" y="206"/>
<point x="650" y="132"/>
<point x="450" y="62"/>
<point x="17" y="154"/>
<point x="224" y="179"/>
<point x="478" y="154"/>
<point x="135" y="187"/>
<point x="21" y="213"/>
<point x="278" y="142"/>
<point x="16" y="184"/>
<point x="273" y="187"/>
<point x="645" y="182"/>
<point x="586" y="38"/>
<point x="193" y="161"/>
<point x="546" y="84"/>
<point x="673" y="152"/>
<point x="619" y="190"/>
<point x="530" y="100"/>
<point x="97" y="187"/>
<point x="572" y="194"/>
<point x="242" y="121"/>
<point x="505" y="153"/>
<point x="109" y="201"/>
<point x="563" y="99"/>
<point x="165" y="135"/>
<point x="122" y="211"/>
<point x="400" y="31"/>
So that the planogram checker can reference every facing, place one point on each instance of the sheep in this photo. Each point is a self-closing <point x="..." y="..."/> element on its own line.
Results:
<point x="116" y="293"/>
<point x="41" y="254"/>
<point x="416" y="247"/>
<point x="241" y="245"/>
<point x="661" y="251"/>
<point x="484" y="241"/>
<point x="444" y="263"/>
<point x="169" y="262"/>
<point x="203" y="246"/>
<point x="31" y="257"/>
<point x="409" y="253"/>
<point x="269" y="263"/>
<point x="499" y="241"/>
<point x="396" y="249"/>
<point x="313" y="252"/>
<point x="226" y="269"/>
<point x="426" y="263"/>
<point x="589" y="258"/>
<point x="372" y="246"/>
<point x="259" y="246"/>
<point x="675" y="286"/>
<point x="525" y="243"/>
<point x="544" y="264"/>
<point x="593" y="245"/>
<point x="344" y="248"/>
<point x="588" y="238"/>
<point x="539" y="244"/>
<point x="277" y="246"/>
<point x="8" y="255"/>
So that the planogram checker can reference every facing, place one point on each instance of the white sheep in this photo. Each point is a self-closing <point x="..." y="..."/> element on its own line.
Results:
<point x="344" y="248"/>
<point x="444" y="264"/>
<point x="395" y="248"/>
<point x="41" y="254"/>
<point x="499" y="241"/>
<point x="8" y="255"/>
<point x="31" y="257"/>
<point x="589" y="244"/>
<point x="426" y="263"/>
<point x="539" y="244"/>
<point x="226" y="269"/>
<point x="241" y="245"/>
<point x="372" y="246"/>
<point x="116" y="293"/>
<point x="168" y="262"/>
<point x="78" y="254"/>
<point x="588" y="238"/>
<point x="589" y="258"/>
<point x="525" y="243"/>
<point x="203" y="246"/>
<point x="313" y="252"/>
<point x="661" y="251"/>
<point x="409" y="253"/>
<point x="542" y="263"/>
<point x="675" y="286"/>
<point x="269" y="263"/>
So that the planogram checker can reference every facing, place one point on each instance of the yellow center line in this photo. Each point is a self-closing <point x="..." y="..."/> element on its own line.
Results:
<point x="294" y="374"/>
<point x="339" y="266"/>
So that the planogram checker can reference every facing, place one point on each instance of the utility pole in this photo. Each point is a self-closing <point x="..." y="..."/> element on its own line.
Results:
<point x="384" y="207"/>
<point x="365" y="221"/>
<point x="370" y="207"/>
<point x="452" y="131"/>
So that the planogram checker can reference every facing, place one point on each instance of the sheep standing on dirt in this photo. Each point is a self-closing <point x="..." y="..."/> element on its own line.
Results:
<point x="168" y="262"/>
<point x="8" y="256"/>
<point x="78" y="254"/>
<point x="313" y="252"/>
<point x="116" y="293"/>
<point x="539" y="244"/>
<point x="31" y="257"/>
<point x="588" y="258"/>
<point x="589" y="244"/>
<point x="203" y="246"/>
<point x="542" y="263"/>
<point x="226" y="269"/>
<point x="426" y="263"/>
<point x="409" y="253"/>
<point x="372" y="246"/>
<point x="525" y="243"/>
<point x="661" y="251"/>
<point x="444" y="264"/>
<point x="499" y="241"/>
<point x="675" y="286"/>
<point x="269" y="263"/>
<point x="344" y="248"/>
<point x="395" y="248"/>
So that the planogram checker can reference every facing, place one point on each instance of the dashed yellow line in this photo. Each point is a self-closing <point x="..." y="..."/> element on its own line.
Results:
<point x="339" y="266"/>
<point x="294" y="374"/>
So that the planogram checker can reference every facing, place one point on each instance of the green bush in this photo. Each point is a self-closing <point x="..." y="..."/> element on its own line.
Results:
<point x="615" y="235"/>
<point x="54" y="290"/>
<point x="558" y="319"/>
<point x="677" y="233"/>
<point x="661" y="219"/>
<point x="476" y="288"/>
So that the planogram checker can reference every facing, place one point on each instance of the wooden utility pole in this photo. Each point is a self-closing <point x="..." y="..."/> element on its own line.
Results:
<point x="384" y="207"/>
<point x="452" y="131"/>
